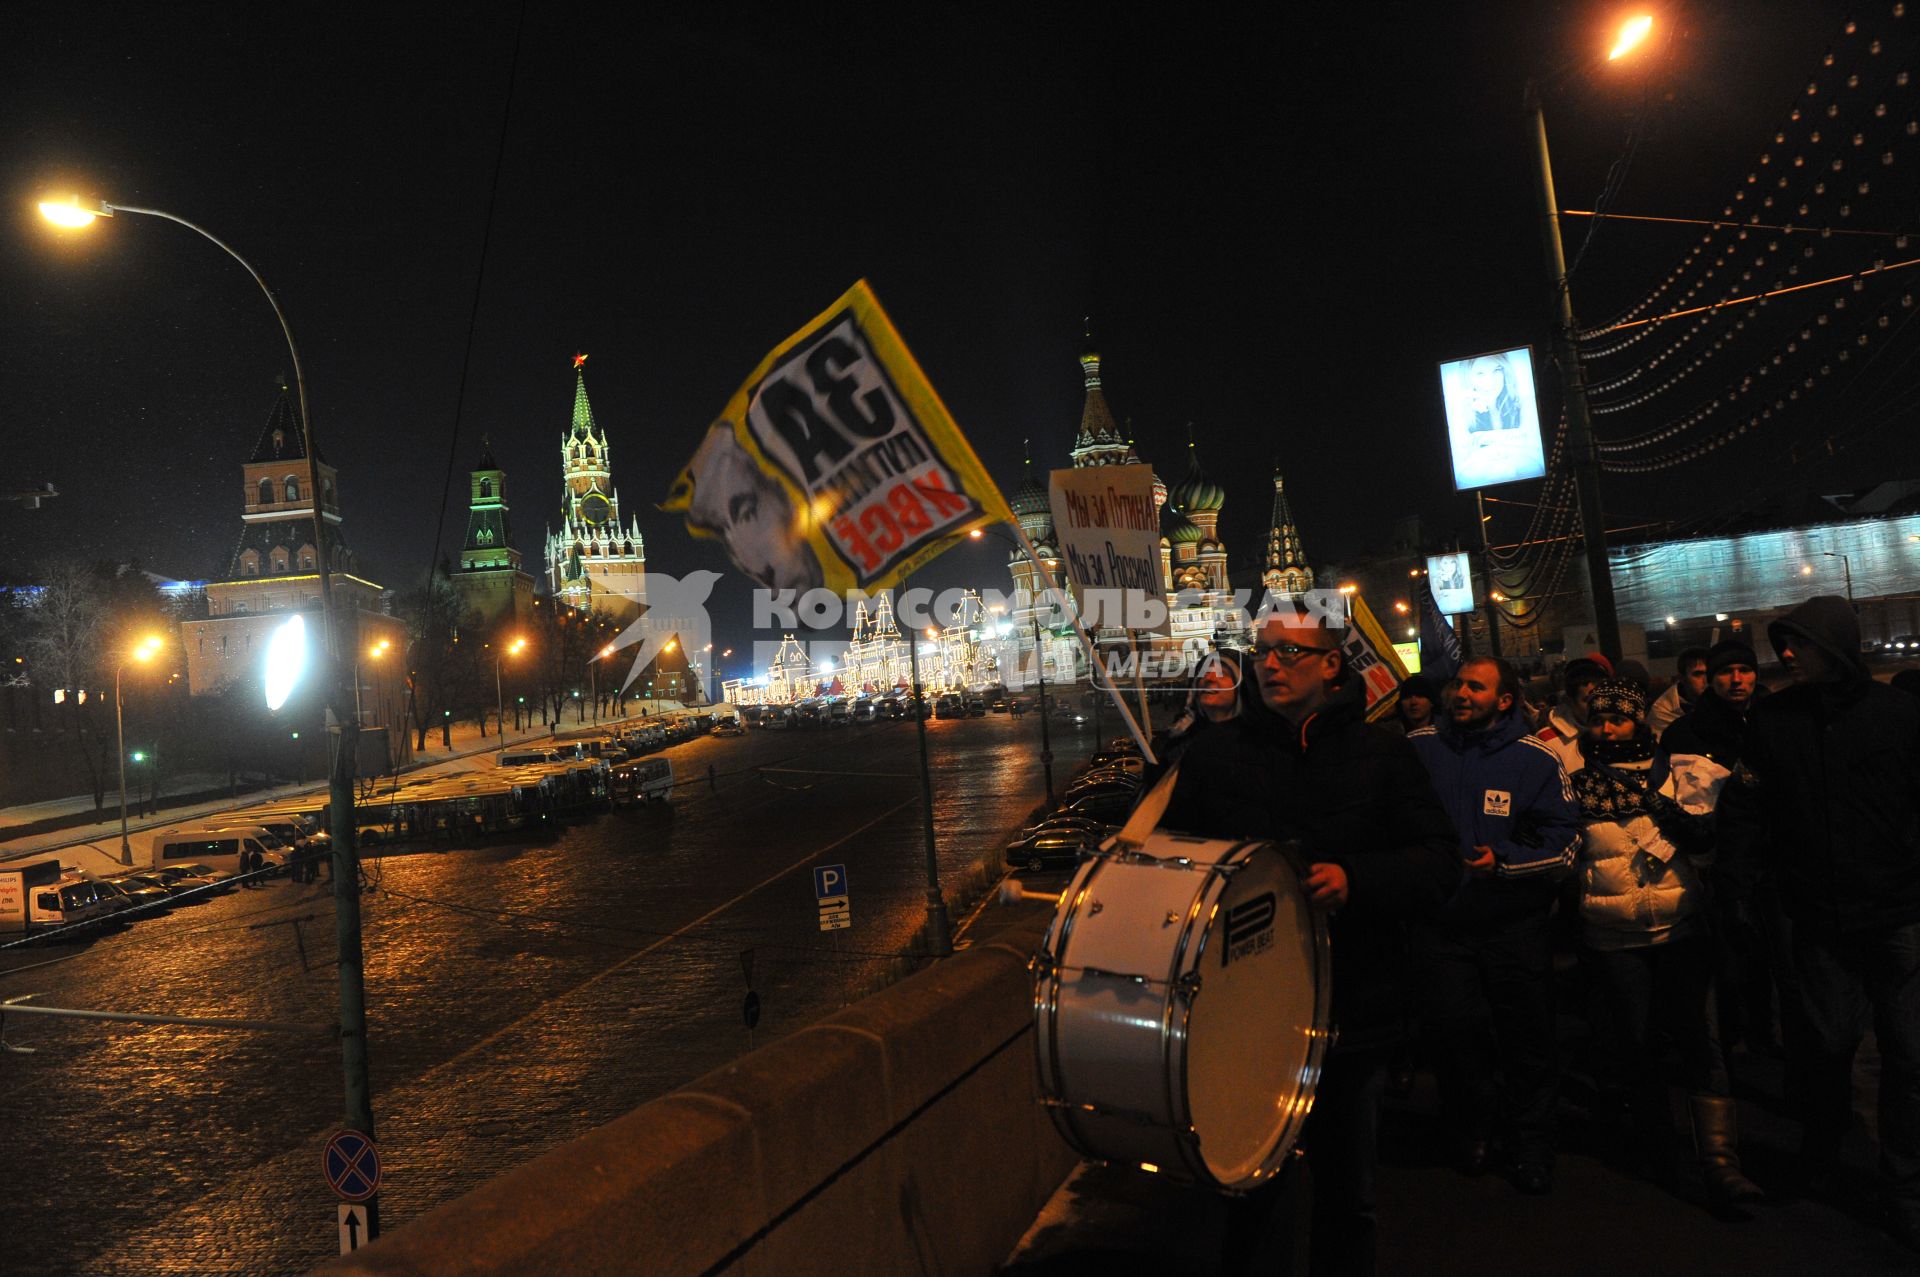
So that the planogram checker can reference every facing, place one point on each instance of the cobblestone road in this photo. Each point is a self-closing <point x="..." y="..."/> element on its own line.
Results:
<point x="518" y="995"/>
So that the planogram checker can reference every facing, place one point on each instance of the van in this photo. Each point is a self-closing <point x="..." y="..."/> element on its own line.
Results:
<point x="220" y="849"/>
<point x="864" y="712"/>
<point x="643" y="780"/>
<point x="45" y="896"/>
<point x="949" y="706"/>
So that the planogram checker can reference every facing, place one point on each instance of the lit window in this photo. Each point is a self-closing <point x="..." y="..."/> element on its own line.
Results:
<point x="293" y="488"/>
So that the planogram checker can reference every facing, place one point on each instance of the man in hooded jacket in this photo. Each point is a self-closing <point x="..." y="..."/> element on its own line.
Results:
<point x="1302" y="762"/>
<point x="1833" y="809"/>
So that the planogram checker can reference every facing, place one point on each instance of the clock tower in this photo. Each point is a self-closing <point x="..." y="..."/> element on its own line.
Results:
<point x="595" y="561"/>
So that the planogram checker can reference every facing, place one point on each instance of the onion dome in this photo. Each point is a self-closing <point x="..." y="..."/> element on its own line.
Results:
<point x="1031" y="496"/>
<point x="1159" y="493"/>
<point x="1196" y="491"/>
<point x="1184" y="531"/>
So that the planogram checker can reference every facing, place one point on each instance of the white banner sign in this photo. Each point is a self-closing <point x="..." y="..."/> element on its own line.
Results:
<point x="1109" y="534"/>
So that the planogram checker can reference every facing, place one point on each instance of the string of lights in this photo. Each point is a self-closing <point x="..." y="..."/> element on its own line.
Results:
<point x="1737" y="292"/>
<point x="1817" y="338"/>
<point x="1799" y="120"/>
<point x="1877" y="326"/>
<point x="1554" y="484"/>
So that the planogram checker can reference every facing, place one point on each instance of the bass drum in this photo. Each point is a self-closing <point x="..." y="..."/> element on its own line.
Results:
<point x="1180" y="1007"/>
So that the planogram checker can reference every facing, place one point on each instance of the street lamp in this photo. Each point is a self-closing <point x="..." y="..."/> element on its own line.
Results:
<point x="1581" y="447"/>
<point x="593" y="677"/>
<point x="499" y="702"/>
<point x="375" y="652"/>
<point x="148" y="649"/>
<point x="1846" y="565"/>
<point x="346" y="862"/>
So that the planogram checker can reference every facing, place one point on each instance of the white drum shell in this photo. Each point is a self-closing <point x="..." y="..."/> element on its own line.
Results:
<point x="1134" y="961"/>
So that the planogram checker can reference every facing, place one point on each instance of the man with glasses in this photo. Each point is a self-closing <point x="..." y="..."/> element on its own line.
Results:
<point x="1301" y="762"/>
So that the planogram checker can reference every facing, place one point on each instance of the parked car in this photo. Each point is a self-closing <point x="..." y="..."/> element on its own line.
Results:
<point x="729" y="727"/>
<point x="949" y="707"/>
<point x="1054" y="846"/>
<point x="839" y="714"/>
<point x="1904" y="645"/>
<point x="864" y="711"/>
<point x="976" y="708"/>
<point x="776" y="718"/>
<point x="1084" y="824"/>
<point x="144" y="900"/>
<point x="197" y="878"/>
<point x="1109" y="808"/>
<point x="998" y="705"/>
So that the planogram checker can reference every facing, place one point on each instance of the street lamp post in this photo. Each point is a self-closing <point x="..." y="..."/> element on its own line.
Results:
<point x="1846" y="565"/>
<point x="499" y="702"/>
<point x="939" y="932"/>
<point x="141" y="655"/>
<point x="1581" y="448"/>
<point x="593" y="677"/>
<point x="350" y="959"/>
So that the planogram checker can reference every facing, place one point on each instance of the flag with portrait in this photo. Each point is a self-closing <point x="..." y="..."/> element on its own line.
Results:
<point x="836" y="464"/>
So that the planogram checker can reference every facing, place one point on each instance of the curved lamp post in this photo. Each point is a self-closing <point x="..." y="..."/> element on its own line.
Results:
<point x="1566" y="345"/>
<point x="149" y="647"/>
<point x="73" y="214"/>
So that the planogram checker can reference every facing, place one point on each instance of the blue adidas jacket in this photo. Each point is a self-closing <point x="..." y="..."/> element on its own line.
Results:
<point x="1504" y="790"/>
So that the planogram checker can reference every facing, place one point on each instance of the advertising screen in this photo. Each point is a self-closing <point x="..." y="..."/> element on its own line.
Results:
<point x="1452" y="583"/>
<point x="1493" y="421"/>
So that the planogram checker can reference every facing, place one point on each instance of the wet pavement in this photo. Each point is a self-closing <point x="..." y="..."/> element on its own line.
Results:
<point x="518" y="995"/>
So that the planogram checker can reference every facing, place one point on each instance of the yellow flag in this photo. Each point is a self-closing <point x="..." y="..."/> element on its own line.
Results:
<point x="1371" y="657"/>
<point x="835" y="464"/>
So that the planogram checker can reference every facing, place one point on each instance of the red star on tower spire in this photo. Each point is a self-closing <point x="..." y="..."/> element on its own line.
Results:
<point x="579" y="360"/>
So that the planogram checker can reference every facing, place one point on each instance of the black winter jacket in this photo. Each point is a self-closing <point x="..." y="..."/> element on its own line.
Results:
<point x="1355" y="795"/>
<point x="1833" y="807"/>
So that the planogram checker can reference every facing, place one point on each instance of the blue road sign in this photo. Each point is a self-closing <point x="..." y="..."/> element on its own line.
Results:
<point x="829" y="881"/>
<point x="351" y="1165"/>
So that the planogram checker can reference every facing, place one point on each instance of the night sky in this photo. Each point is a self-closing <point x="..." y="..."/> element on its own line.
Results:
<point x="1277" y="225"/>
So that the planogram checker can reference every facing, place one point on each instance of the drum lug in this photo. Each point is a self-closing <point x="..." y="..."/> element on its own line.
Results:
<point x="1187" y="985"/>
<point x="1041" y="965"/>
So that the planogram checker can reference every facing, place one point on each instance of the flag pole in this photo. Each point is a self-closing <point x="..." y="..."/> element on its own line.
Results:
<point x="1097" y="671"/>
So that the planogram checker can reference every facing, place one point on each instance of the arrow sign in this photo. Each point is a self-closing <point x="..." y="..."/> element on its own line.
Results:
<point x="351" y="1225"/>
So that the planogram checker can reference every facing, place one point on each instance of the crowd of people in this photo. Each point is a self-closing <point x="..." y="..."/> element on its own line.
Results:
<point x="1683" y="869"/>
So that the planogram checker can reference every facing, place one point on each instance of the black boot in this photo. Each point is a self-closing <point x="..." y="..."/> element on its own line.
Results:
<point x="1716" y="1138"/>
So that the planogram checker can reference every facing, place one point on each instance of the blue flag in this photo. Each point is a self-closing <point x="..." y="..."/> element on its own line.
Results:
<point x="1439" y="645"/>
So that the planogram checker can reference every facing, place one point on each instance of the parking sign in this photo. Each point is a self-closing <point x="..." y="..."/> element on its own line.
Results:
<point x="829" y="881"/>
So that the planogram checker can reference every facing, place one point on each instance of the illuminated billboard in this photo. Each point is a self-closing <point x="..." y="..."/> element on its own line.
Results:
<point x="1493" y="421"/>
<point x="1451" y="580"/>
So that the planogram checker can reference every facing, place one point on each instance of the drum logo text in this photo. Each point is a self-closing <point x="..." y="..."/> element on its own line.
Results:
<point x="1249" y="929"/>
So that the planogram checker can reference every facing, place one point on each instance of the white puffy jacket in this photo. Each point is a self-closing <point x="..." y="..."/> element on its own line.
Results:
<point x="1636" y="888"/>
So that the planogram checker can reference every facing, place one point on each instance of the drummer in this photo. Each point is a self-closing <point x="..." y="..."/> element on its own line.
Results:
<point x="1300" y="761"/>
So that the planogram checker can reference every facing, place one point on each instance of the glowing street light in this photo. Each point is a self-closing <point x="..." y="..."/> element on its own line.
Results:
<point x="149" y="648"/>
<point x="499" y="704"/>
<point x="593" y="677"/>
<point x="1632" y="32"/>
<point x="1582" y="452"/>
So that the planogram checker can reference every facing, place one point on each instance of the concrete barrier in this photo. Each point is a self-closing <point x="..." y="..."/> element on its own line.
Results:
<point x="898" y="1136"/>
